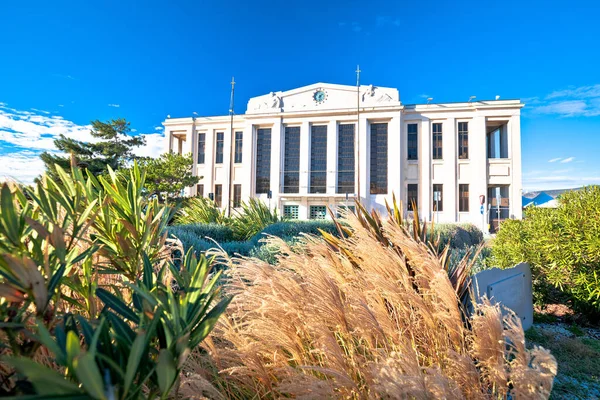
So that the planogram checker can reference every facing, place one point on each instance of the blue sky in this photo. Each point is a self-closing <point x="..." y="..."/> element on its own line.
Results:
<point x="65" y="63"/>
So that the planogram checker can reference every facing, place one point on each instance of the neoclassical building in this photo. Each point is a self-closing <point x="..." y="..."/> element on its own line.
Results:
<point x="326" y="145"/>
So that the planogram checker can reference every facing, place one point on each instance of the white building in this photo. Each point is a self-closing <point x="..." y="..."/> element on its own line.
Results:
<point x="302" y="150"/>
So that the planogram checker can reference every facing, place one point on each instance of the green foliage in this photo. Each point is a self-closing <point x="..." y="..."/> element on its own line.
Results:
<point x="200" y="210"/>
<point x="458" y="235"/>
<point x="169" y="174"/>
<point x="562" y="246"/>
<point x="253" y="217"/>
<point x="73" y="246"/>
<point x="113" y="149"/>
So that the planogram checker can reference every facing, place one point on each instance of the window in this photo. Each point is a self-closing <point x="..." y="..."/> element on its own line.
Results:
<point x="318" y="159"/>
<point x="290" y="212"/>
<point x="463" y="140"/>
<point x="463" y="197"/>
<point x="201" y="147"/>
<point x="412" y="196"/>
<point x="237" y="196"/>
<point x="500" y="206"/>
<point x="345" y="179"/>
<point x="412" y="145"/>
<point x="379" y="158"/>
<point x="497" y="141"/>
<point x="437" y="141"/>
<point x="219" y="149"/>
<point x="239" y="138"/>
<point x="263" y="160"/>
<point x="318" y="212"/>
<point x="200" y="190"/>
<point x="291" y="161"/>
<point x="218" y="195"/>
<point x="438" y="199"/>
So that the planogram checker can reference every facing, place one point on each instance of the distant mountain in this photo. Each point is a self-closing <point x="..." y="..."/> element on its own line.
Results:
<point x="552" y="193"/>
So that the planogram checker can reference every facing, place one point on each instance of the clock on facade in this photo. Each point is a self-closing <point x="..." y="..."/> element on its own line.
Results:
<point x="319" y="96"/>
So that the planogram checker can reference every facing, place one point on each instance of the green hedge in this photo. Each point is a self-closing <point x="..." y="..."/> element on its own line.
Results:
<point x="460" y="236"/>
<point x="562" y="246"/>
<point x="196" y="236"/>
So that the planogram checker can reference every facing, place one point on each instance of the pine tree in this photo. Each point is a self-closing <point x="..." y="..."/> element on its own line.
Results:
<point x="114" y="148"/>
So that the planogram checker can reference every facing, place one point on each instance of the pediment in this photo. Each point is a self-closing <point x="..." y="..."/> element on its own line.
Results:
<point x="323" y="96"/>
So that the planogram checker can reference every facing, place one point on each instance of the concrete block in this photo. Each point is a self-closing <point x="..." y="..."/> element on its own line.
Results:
<point x="510" y="287"/>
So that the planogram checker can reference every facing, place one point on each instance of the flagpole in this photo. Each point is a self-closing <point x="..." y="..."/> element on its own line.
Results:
<point x="231" y="147"/>
<point x="358" y="131"/>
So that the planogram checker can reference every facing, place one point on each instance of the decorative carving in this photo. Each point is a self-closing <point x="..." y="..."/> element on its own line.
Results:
<point x="269" y="101"/>
<point x="374" y="94"/>
<point x="275" y="100"/>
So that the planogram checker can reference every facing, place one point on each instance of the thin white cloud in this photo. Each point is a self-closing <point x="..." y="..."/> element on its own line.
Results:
<point x="567" y="160"/>
<point x="382" y="21"/>
<point x="155" y="146"/>
<point x="26" y="134"/>
<point x="114" y="105"/>
<point x="572" y="102"/>
<point x="356" y="27"/>
<point x="61" y="105"/>
<point x="555" y="159"/>
<point x="40" y="111"/>
<point x="582" y="92"/>
<point x="159" y="128"/>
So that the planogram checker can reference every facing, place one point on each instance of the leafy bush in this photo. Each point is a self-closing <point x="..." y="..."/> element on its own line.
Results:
<point x="87" y="259"/>
<point x="562" y="246"/>
<point x="290" y="229"/>
<point x="253" y="217"/>
<point x="200" y="210"/>
<point x="458" y="235"/>
<point x="370" y="315"/>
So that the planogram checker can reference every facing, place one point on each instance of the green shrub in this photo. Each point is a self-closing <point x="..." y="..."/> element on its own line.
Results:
<point x="562" y="246"/>
<point x="290" y="229"/>
<point x="200" y="210"/>
<point x="458" y="235"/>
<point x="253" y="217"/>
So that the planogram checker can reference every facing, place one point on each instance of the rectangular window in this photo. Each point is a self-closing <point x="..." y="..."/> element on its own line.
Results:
<point x="412" y="145"/>
<point x="290" y="212"/>
<point x="438" y="198"/>
<point x="318" y="212"/>
<point x="463" y="197"/>
<point x="263" y="160"/>
<point x="318" y="159"/>
<point x="497" y="142"/>
<point x="412" y="196"/>
<point x="237" y="196"/>
<point x="291" y="161"/>
<point x="345" y="179"/>
<point x="463" y="140"/>
<point x="218" y="195"/>
<point x="239" y="137"/>
<point x="437" y="141"/>
<point x="200" y="190"/>
<point x="219" y="148"/>
<point x="201" y="147"/>
<point x="379" y="158"/>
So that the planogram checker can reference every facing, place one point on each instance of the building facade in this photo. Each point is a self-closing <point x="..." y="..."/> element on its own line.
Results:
<point x="324" y="145"/>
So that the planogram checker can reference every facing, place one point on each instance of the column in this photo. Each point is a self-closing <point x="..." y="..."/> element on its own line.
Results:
<point x="395" y="157"/>
<point x="363" y="161"/>
<point x="516" y="187"/>
<point x="332" y="144"/>
<point x="478" y="178"/>
<point x="425" y="172"/>
<point x="276" y="135"/>
<point x="304" y="157"/>
<point x="450" y="141"/>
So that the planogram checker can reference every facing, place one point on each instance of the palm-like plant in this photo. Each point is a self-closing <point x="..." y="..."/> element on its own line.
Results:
<point x="252" y="218"/>
<point x="200" y="210"/>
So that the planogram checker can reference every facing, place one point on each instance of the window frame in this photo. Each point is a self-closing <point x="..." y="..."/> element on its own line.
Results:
<point x="439" y="149"/>
<point x="219" y="195"/>
<point x="200" y="190"/>
<point x="310" y="212"/>
<point x="290" y="174"/>
<point x="201" y="148"/>
<point x="440" y="203"/>
<point x="409" y="198"/>
<point x="264" y="164"/>
<point x="238" y="150"/>
<point x="342" y="187"/>
<point x="462" y="148"/>
<point x="378" y="180"/>
<point x="462" y="198"/>
<point x="219" y="147"/>
<point x="416" y="142"/>
<point x="318" y="156"/>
